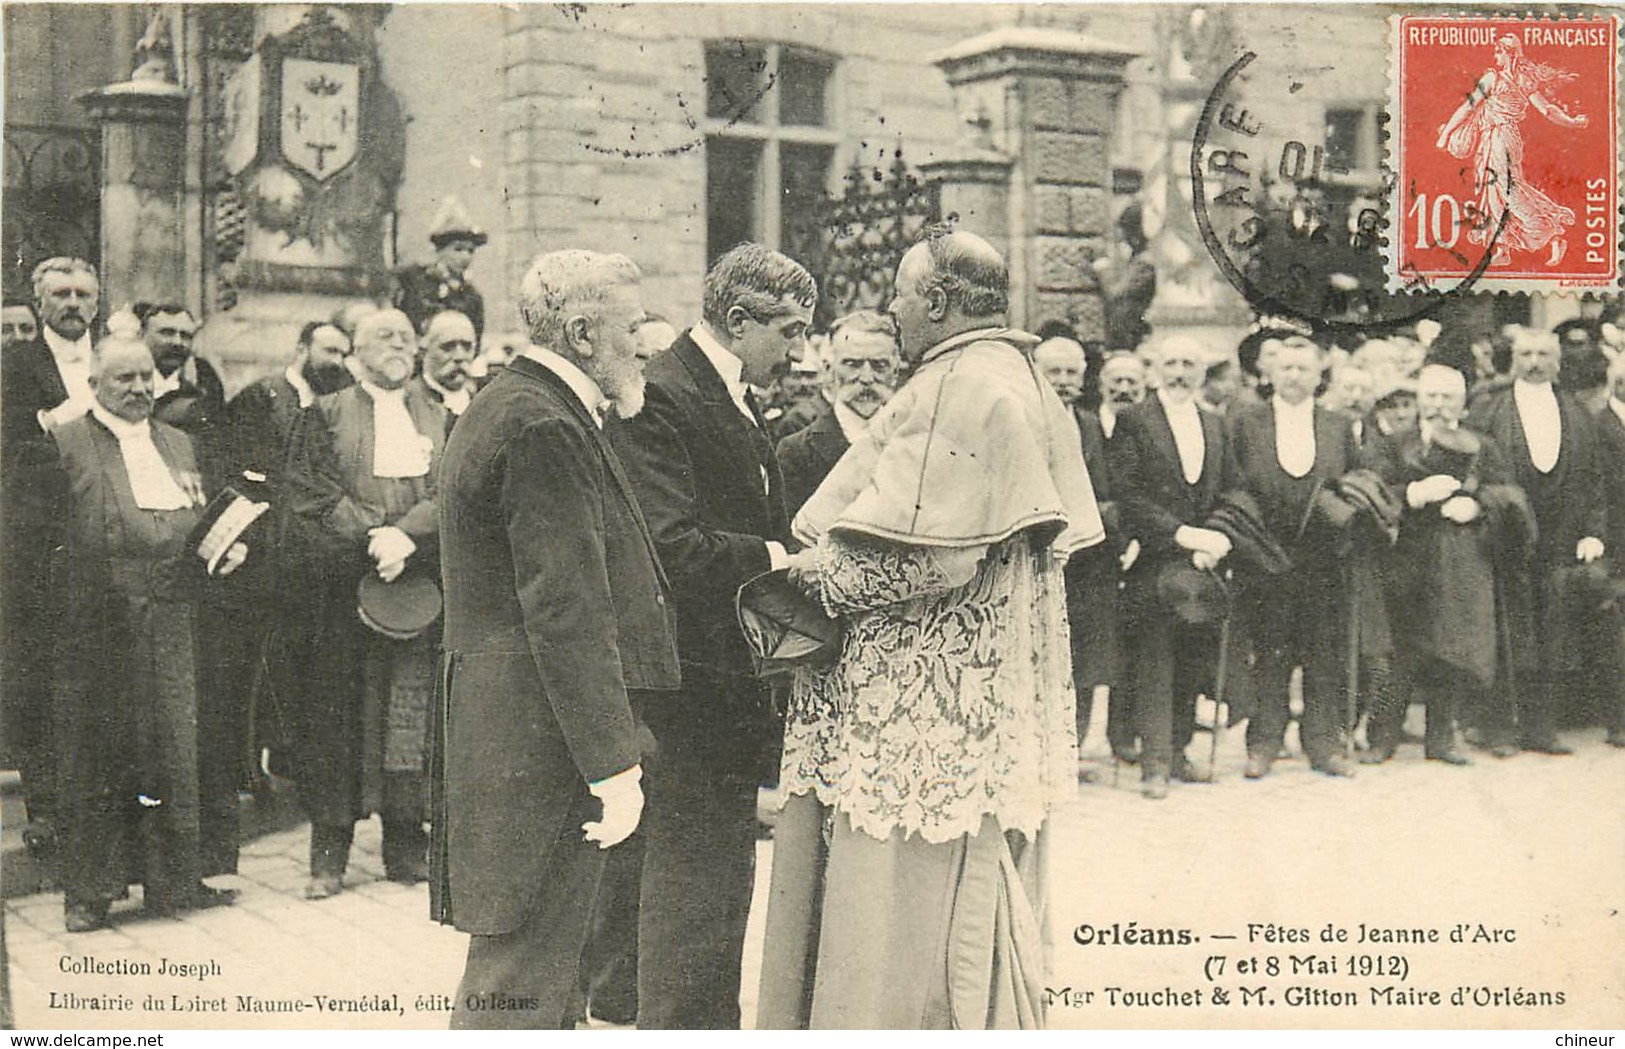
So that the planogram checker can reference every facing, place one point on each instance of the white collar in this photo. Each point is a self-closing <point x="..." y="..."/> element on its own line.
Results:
<point x="454" y="400"/>
<point x="724" y="360"/>
<point x="378" y="393"/>
<point x="586" y="389"/>
<point x="123" y="429"/>
<point x="1172" y="407"/>
<point x="164" y="385"/>
<point x="62" y="349"/>
<point x="1521" y="389"/>
<point x="1618" y="406"/>
<point x="1305" y="410"/>
<point x="301" y="385"/>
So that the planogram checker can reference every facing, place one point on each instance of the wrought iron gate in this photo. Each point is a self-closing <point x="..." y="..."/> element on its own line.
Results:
<point x="853" y="242"/>
<point x="53" y="200"/>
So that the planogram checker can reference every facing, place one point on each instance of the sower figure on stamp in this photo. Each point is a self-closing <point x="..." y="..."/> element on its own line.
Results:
<point x="364" y="487"/>
<point x="1170" y="461"/>
<point x="1464" y="524"/>
<point x="1556" y="457"/>
<point x="124" y="496"/>
<point x="921" y="769"/>
<point x="703" y="467"/>
<point x="1286" y="450"/>
<point x="556" y="610"/>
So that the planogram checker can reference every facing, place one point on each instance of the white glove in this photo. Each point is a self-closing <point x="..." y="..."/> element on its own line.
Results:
<point x="1460" y="509"/>
<point x="1205" y="540"/>
<point x="233" y="559"/>
<point x="389" y="547"/>
<point x="1429" y="490"/>
<point x="622" y="798"/>
<point x="1588" y="549"/>
<point x="1204" y="561"/>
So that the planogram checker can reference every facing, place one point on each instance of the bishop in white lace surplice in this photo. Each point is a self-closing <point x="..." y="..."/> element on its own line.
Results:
<point x="949" y="702"/>
<point x="952" y="698"/>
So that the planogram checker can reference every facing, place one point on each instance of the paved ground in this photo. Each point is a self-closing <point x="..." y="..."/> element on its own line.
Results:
<point x="1525" y="855"/>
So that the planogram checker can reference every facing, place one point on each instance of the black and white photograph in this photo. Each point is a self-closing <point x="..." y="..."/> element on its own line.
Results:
<point x="773" y="516"/>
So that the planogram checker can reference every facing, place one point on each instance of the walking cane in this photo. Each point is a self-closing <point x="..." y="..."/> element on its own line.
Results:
<point x="1351" y="701"/>
<point x="1219" y="674"/>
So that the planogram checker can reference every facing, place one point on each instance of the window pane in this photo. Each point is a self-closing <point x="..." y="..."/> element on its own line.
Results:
<point x="804" y="173"/>
<point x="1343" y="138"/>
<point x="803" y="88"/>
<point x="732" y="182"/>
<point x="735" y="81"/>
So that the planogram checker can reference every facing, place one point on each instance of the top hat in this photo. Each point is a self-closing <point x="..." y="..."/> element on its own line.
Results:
<point x="784" y="627"/>
<point x="1452" y="451"/>
<point x="1196" y="597"/>
<point x="451" y="223"/>
<point x="401" y="610"/>
<point x="224" y="520"/>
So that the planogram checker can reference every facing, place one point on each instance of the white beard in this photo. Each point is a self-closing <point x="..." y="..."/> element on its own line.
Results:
<point x="629" y="399"/>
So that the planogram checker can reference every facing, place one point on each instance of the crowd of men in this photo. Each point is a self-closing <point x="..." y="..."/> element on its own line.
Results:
<point x="491" y="599"/>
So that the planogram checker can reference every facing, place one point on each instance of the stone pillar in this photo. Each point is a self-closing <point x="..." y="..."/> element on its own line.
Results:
<point x="143" y="161"/>
<point x="1044" y="98"/>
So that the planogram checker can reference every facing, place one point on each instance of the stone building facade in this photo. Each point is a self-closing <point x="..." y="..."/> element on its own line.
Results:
<point x="664" y="131"/>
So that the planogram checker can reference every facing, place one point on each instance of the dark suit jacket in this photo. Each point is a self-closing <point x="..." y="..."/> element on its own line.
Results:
<point x="697" y="466"/>
<point x="1571" y="502"/>
<point x="29" y="383"/>
<point x="555" y="607"/>
<point x="1282" y="498"/>
<point x="200" y="403"/>
<point x="1153" y="500"/>
<point x="1611" y="434"/>
<point x="260" y="422"/>
<point x="807" y="456"/>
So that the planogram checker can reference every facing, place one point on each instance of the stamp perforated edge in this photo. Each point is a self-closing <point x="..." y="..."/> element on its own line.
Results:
<point x="1388" y="130"/>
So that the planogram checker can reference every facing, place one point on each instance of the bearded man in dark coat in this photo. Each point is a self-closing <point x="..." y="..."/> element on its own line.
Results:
<point x="125" y="495"/>
<point x="364" y="487"/>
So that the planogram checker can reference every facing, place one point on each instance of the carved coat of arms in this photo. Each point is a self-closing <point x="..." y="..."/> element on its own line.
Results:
<point x="320" y="106"/>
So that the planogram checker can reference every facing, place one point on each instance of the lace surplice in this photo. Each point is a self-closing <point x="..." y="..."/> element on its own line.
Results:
<point x="952" y="698"/>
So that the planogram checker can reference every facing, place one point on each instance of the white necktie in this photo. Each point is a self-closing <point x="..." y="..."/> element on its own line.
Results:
<point x="1542" y="424"/>
<point x="1187" y="426"/>
<point x="1294" y="441"/>
<point x="151" y="481"/>
<point x="398" y="450"/>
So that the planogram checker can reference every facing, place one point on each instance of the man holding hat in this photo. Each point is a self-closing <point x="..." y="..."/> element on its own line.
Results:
<point x="363" y="485"/>
<point x="1288" y="450"/>
<point x="1463" y="527"/>
<point x="1170" y="461"/>
<point x="423" y="291"/>
<point x="122" y="500"/>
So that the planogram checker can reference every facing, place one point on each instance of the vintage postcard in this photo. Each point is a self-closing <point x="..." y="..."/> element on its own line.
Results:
<point x="295" y="250"/>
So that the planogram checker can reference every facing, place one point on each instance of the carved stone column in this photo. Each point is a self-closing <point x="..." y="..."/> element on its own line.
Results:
<point x="143" y="122"/>
<point x="1044" y="97"/>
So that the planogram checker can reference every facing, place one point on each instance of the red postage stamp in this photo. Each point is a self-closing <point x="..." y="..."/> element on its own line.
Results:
<point x="1504" y="138"/>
